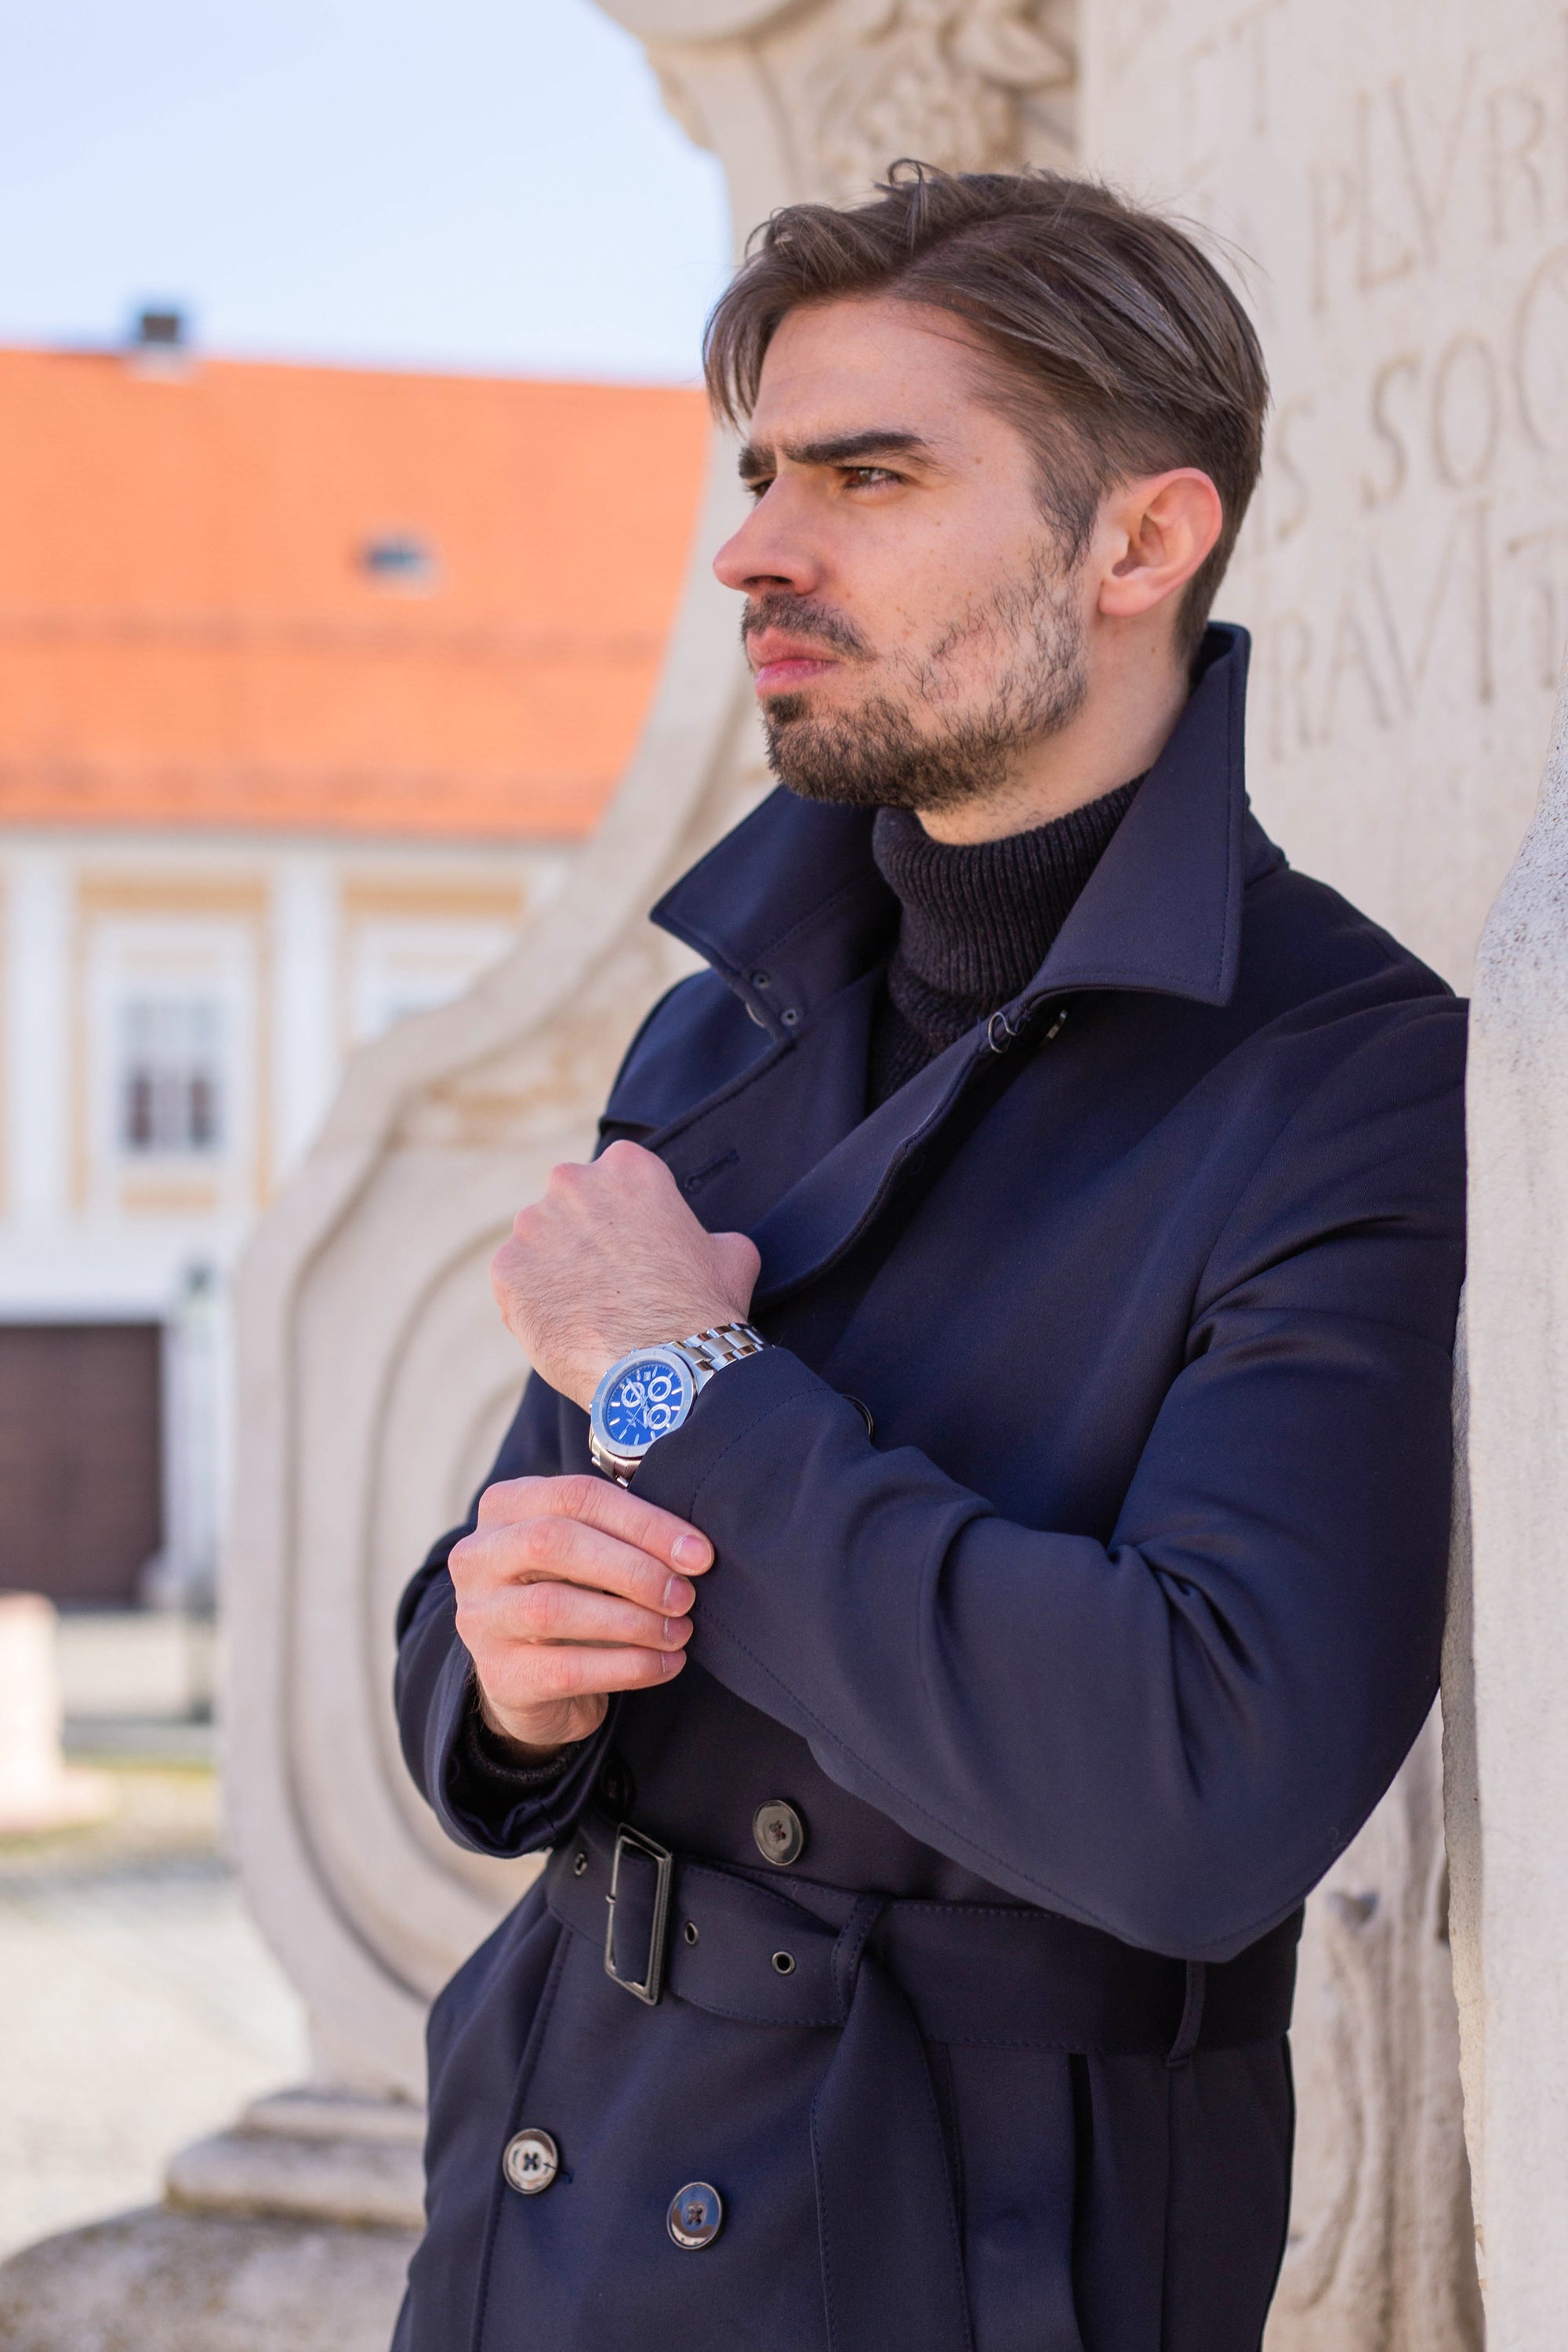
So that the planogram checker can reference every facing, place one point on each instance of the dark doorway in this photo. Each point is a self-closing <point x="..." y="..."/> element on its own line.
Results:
<point x="81" y="1475"/>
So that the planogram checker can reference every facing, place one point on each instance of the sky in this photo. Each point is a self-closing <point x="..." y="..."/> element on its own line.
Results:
<point x="486" y="184"/>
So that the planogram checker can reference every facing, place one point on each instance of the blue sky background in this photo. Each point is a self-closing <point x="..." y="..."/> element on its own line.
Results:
<point x="468" y="184"/>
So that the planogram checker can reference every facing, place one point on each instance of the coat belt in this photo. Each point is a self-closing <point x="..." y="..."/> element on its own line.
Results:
<point x="889" y="1975"/>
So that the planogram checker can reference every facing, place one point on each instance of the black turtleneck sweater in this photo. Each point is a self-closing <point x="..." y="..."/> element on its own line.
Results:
<point x="976" y="922"/>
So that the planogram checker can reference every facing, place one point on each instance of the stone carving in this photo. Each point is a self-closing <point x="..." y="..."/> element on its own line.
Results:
<point x="925" y="77"/>
<point x="836" y="91"/>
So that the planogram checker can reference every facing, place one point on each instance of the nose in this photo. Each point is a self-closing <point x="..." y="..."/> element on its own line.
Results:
<point x="770" y="551"/>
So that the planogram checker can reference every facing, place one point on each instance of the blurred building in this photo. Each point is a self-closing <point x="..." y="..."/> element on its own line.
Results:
<point x="310" y="681"/>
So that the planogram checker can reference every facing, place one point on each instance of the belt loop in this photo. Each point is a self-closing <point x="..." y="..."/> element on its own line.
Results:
<point x="1192" y="2023"/>
<point x="851" y="1944"/>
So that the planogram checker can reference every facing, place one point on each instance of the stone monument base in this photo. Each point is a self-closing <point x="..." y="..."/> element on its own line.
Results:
<point x="166" y="2280"/>
<point x="290" y="2232"/>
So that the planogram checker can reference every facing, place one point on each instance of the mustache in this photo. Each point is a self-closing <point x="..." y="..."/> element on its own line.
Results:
<point x="801" y="616"/>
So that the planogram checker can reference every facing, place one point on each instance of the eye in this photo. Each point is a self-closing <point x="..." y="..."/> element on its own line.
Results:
<point x="757" y="485"/>
<point x="869" y="477"/>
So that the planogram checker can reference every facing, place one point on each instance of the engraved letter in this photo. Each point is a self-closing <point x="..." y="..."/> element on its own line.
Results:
<point x="1379" y="494"/>
<point x="1515" y="121"/>
<point x="1301" y="506"/>
<point x="1541" y="352"/>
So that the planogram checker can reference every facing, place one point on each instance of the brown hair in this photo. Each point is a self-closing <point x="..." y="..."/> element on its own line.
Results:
<point x="1121" y="349"/>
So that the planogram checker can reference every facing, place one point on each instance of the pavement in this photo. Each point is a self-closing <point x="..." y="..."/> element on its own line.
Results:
<point x="139" y="2007"/>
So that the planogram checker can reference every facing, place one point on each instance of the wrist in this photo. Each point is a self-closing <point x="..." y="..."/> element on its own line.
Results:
<point x="528" y="1738"/>
<point x="657" y="1329"/>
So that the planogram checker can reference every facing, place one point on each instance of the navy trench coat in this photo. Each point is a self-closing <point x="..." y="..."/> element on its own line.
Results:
<point x="1078" y="1668"/>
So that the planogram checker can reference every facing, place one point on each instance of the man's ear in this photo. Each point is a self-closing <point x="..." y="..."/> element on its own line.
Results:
<point x="1160" y="531"/>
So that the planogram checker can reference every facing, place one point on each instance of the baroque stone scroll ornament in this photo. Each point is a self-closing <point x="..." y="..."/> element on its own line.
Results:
<point x="971" y="85"/>
<point x="928" y="78"/>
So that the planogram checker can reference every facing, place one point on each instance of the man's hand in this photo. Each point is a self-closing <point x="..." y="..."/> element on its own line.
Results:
<point x="611" y="1259"/>
<point x="567" y="1590"/>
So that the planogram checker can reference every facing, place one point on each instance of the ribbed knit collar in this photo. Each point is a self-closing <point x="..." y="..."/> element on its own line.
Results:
<point x="976" y="922"/>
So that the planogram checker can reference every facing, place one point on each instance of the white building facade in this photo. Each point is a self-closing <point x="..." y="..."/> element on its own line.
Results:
<point x="178" y="1009"/>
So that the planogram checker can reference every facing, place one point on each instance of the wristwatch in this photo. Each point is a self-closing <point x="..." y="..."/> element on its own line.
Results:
<point x="644" y="1395"/>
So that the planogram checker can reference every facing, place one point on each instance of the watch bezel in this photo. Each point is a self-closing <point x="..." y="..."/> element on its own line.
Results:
<point x="663" y="1351"/>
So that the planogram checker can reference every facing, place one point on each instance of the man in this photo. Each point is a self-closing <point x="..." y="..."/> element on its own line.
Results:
<point x="942" y="1673"/>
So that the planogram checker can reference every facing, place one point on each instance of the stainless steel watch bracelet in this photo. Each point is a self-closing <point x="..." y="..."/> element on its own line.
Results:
<point x="723" y="1343"/>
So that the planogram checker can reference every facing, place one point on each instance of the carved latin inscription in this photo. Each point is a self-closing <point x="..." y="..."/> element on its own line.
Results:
<point x="1393" y="189"/>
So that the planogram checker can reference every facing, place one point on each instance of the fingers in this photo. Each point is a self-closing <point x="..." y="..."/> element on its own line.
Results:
<point x="535" y="1680"/>
<point x="544" y="1612"/>
<point x="569" y="1589"/>
<point x="600" y="1503"/>
<point x="562" y="1552"/>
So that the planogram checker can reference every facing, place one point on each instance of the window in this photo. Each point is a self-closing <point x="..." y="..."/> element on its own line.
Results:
<point x="171" y="1091"/>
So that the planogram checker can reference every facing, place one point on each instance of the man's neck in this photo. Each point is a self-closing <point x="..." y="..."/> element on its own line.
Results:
<point x="1126" y="719"/>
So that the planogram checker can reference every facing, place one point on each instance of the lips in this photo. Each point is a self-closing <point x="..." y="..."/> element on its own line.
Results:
<point x="780" y="661"/>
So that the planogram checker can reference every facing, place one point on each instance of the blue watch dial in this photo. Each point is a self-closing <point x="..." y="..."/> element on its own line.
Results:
<point x="646" y="1398"/>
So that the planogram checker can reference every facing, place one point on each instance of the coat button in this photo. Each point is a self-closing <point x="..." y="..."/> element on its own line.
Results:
<point x="531" y="2161"/>
<point x="779" y="1832"/>
<point x="695" y="2215"/>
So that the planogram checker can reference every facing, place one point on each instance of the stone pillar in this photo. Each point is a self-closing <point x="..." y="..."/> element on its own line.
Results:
<point x="1508" y="1667"/>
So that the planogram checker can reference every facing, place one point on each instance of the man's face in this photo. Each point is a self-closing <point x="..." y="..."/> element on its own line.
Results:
<point x="911" y="622"/>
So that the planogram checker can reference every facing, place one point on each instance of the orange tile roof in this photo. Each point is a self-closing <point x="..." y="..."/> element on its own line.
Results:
<point x="189" y="637"/>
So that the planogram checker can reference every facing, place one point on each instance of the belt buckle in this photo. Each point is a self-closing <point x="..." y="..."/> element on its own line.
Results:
<point x="648" y="1986"/>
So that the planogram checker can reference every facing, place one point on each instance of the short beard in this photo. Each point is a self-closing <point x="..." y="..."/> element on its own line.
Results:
<point x="879" y="759"/>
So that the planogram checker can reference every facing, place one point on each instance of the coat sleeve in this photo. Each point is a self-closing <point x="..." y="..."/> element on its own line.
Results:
<point x="480" y="1804"/>
<point x="1173" y="1734"/>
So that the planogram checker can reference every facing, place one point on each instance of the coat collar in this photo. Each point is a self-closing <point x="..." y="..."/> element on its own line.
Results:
<point x="789" y="908"/>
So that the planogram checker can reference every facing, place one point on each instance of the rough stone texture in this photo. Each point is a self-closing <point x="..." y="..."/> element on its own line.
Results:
<point x="160" y="2281"/>
<point x="1508" y="1794"/>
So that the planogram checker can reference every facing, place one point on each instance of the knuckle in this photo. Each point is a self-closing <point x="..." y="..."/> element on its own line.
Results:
<point x="473" y="1628"/>
<point x="502" y="1501"/>
<point x="563" y="1673"/>
<point x="542" y="1542"/>
<point x="544" y="1608"/>
<point x="578" y="1494"/>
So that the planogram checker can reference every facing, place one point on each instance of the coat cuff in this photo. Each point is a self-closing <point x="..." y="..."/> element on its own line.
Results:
<point x="710" y="1443"/>
<point x="499" y="1811"/>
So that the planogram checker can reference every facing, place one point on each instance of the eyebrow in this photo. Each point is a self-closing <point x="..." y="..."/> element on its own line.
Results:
<point x="836" y="449"/>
